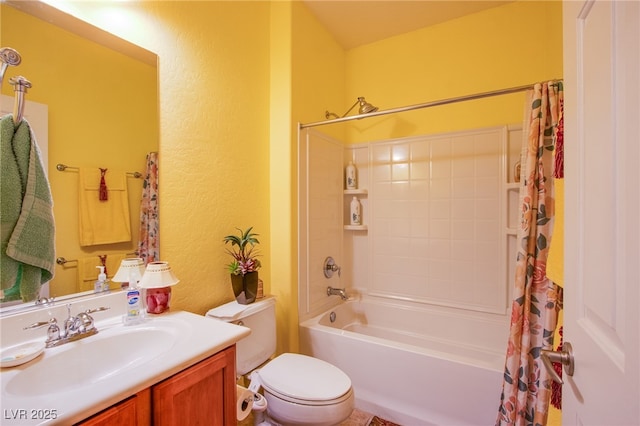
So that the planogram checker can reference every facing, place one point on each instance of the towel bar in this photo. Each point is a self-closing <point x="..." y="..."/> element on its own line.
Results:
<point x="62" y="167"/>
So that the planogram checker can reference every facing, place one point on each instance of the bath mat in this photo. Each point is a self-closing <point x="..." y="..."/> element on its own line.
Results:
<point x="357" y="418"/>
<point x="377" y="421"/>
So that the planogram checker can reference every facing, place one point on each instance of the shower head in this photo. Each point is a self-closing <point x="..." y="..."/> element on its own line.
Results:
<point x="365" y="108"/>
<point x="8" y="56"/>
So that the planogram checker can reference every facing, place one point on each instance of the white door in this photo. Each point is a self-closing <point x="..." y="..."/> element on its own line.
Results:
<point x="602" y="256"/>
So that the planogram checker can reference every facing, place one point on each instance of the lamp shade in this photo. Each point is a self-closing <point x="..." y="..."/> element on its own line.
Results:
<point x="158" y="275"/>
<point x="130" y="270"/>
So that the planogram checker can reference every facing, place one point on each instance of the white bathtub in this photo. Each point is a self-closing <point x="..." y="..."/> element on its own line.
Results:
<point x="411" y="365"/>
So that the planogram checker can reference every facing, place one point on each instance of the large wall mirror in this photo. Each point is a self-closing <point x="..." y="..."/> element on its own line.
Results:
<point x="101" y="95"/>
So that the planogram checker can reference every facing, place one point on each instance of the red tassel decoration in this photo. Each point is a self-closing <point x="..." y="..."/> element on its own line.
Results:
<point x="103" y="193"/>
<point x="556" y="388"/>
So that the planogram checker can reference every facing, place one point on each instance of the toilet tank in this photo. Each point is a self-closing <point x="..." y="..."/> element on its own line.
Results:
<point x="260" y="317"/>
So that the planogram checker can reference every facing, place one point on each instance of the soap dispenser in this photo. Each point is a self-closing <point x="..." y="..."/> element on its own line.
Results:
<point x="135" y="312"/>
<point x="101" y="285"/>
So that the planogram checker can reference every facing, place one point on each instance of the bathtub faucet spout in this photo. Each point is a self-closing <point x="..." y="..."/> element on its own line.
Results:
<point x="337" y="292"/>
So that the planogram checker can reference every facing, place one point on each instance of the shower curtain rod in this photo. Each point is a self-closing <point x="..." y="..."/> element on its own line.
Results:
<point x="423" y="105"/>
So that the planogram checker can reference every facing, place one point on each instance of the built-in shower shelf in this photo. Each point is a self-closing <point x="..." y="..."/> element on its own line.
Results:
<point x="355" y="192"/>
<point x="513" y="185"/>
<point x="355" y="227"/>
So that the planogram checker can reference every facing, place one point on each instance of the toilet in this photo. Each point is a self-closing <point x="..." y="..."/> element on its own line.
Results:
<point x="298" y="389"/>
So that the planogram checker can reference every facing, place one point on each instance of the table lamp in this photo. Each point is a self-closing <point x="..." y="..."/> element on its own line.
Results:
<point x="129" y="273"/>
<point x="156" y="282"/>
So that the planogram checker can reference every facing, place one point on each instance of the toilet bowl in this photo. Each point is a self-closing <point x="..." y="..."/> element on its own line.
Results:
<point x="301" y="390"/>
<point x="298" y="389"/>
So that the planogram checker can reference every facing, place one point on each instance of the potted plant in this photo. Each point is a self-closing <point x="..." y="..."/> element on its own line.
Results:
<point x="245" y="264"/>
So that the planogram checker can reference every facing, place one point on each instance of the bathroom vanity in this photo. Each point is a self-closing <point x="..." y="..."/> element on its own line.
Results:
<point x="201" y="394"/>
<point x="174" y="368"/>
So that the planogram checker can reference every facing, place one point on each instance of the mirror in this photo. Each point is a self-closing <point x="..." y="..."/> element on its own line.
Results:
<point x="102" y="100"/>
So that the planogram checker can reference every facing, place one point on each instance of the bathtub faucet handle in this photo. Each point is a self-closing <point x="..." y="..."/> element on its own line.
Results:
<point x="330" y="267"/>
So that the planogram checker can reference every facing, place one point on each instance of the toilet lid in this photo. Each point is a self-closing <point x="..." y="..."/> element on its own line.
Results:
<point x="305" y="378"/>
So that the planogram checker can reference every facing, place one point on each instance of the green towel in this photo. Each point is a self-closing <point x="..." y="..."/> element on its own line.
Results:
<point x="27" y="229"/>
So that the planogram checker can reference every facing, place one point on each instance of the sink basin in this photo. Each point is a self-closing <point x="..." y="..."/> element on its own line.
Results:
<point x="91" y="360"/>
<point x="76" y="380"/>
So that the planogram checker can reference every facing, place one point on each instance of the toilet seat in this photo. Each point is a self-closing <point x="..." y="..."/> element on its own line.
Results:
<point x="305" y="380"/>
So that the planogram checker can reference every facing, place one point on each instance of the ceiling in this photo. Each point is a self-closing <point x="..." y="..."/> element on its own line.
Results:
<point x="357" y="22"/>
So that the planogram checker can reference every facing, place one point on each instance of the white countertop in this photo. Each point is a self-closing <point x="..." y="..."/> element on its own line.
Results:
<point x="199" y="338"/>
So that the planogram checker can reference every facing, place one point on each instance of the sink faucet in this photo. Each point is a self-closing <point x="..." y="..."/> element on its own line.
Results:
<point x="331" y="291"/>
<point x="74" y="327"/>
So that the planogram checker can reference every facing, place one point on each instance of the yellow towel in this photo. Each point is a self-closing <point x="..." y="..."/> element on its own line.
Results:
<point x="88" y="273"/>
<point x="555" y="260"/>
<point x="103" y="222"/>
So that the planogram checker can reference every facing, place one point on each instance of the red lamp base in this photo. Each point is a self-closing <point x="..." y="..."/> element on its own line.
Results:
<point x="158" y="300"/>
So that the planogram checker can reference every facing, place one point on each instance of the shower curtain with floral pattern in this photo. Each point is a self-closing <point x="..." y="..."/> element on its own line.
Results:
<point x="149" y="242"/>
<point x="526" y="387"/>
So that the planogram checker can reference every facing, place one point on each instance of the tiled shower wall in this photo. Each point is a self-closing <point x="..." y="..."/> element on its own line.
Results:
<point x="438" y="217"/>
<point x="439" y="214"/>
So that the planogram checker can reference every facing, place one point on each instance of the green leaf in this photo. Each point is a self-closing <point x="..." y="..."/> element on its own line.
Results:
<point x="535" y="352"/>
<point x="522" y="386"/>
<point x="541" y="242"/>
<point x="534" y="309"/>
<point x="536" y="104"/>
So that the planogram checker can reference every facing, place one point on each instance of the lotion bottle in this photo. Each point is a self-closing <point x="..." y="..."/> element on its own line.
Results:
<point x="356" y="214"/>
<point x="351" y="178"/>
<point x="101" y="284"/>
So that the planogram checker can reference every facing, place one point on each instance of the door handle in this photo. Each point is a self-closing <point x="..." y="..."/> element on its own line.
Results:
<point x="564" y="357"/>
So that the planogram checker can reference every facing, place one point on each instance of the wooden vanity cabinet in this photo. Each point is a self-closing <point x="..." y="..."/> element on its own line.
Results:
<point x="203" y="394"/>
<point x="133" y="411"/>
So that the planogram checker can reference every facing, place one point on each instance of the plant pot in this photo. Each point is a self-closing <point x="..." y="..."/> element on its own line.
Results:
<point x="245" y="287"/>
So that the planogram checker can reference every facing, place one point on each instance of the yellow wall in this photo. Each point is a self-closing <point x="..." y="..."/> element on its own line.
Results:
<point x="282" y="175"/>
<point x="511" y="45"/>
<point x="319" y="71"/>
<point x="317" y="84"/>
<point x="102" y="109"/>
<point x="236" y="77"/>
<point x="214" y="121"/>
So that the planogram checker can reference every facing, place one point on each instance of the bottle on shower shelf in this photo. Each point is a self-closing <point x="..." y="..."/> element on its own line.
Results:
<point x="351" y="176"/>
<point x="356" y="212"/>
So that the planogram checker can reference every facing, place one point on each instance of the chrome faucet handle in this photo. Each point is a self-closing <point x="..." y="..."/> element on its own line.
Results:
<point x="53" y="332"/>
<point x="40" y="324"/>
<point x="330" y="267"/>
<point x="100" y="309"/>
<point x="86" y="322"/>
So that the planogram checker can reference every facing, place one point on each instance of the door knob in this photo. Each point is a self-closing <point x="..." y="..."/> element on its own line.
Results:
<point x="564" y="357"/>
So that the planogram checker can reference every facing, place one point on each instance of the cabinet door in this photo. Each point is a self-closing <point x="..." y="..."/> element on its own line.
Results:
<point x="201" y="395"/>
<point x="133" y="411"/>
